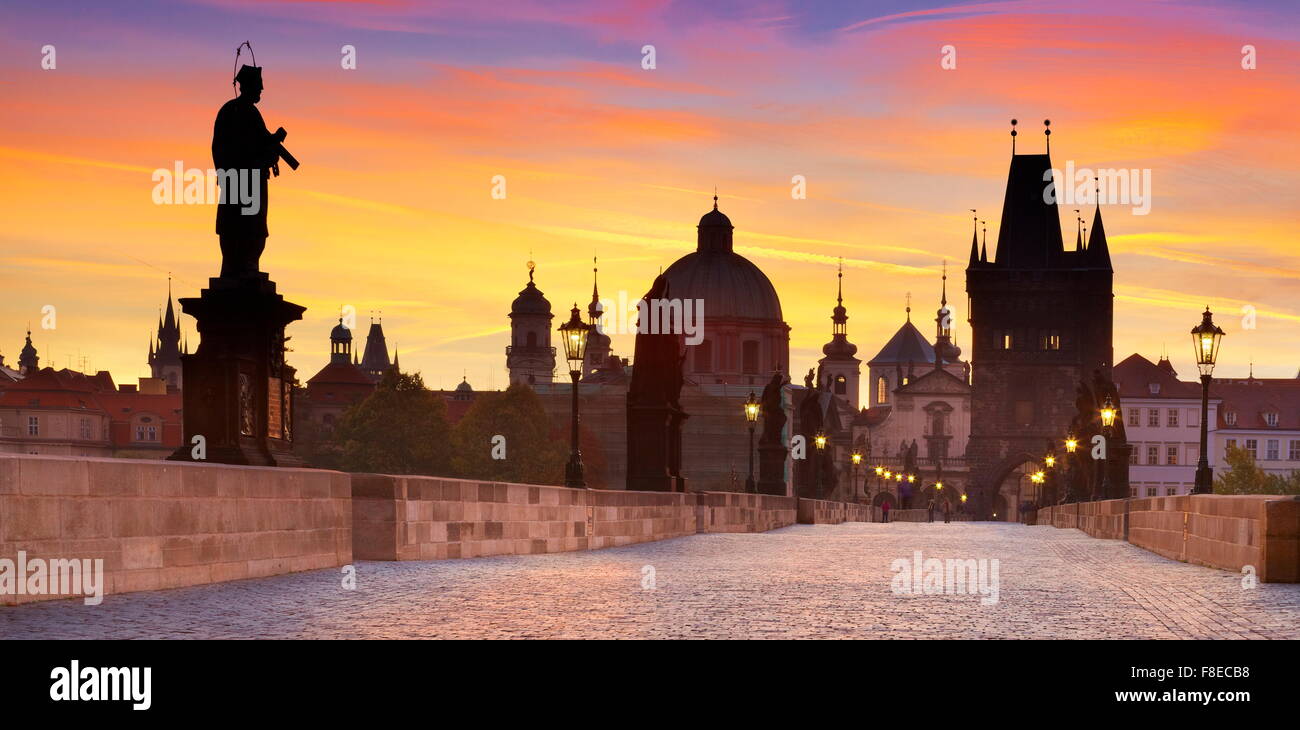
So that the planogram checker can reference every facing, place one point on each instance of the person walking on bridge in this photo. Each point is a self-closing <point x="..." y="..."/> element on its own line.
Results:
<point x="947" y="511"/>
<point x="884" y="510"/>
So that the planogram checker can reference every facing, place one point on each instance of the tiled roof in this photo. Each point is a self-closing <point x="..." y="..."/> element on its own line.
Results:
<point x="1136" y="374"/>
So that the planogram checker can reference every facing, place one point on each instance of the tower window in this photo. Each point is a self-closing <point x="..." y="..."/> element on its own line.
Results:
<point x="532" y="339"/>
<point x="882" y="389"/>
<point x="1006" y="341"/>
<point x="1051" y="340"/>
<point x="841" y="385"/>
<point x="33" y="426"/>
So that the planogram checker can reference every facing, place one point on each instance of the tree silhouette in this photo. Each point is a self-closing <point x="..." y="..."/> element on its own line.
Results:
<point x="401" y="428"/>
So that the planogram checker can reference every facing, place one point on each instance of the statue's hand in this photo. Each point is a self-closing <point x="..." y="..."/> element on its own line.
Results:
<point x="280" y="134"/>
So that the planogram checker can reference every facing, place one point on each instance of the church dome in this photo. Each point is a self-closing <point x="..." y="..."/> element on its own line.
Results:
<point x="340" y="333"/>
<point x="530" y="300"/>
<point x="730" y="284"/>
<point x="464" y="386"/>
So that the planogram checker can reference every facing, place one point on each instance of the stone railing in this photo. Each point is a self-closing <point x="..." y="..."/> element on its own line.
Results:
<point x="427" y="518"/>
<point x="741" y="512"/>
<point x="1219" y="531"/>
<point x="159" y="524"/>
<point x="825" y="512"/>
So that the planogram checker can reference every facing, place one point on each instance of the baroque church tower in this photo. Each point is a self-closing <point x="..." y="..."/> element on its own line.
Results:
<point x="1041" y="318"/>
<point x="839" y="363"/>
<point x="530" y="357"/>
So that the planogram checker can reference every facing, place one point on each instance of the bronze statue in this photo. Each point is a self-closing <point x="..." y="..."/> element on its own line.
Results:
<point x="245" y="154"/>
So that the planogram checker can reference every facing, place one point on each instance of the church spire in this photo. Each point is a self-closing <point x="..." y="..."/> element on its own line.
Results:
<point x="974" y="238"/>
<point x="840" y="316"/>
<point x="1098" y="251"/>
<point x="594" y="310"/>
<point x="944" y="349"/>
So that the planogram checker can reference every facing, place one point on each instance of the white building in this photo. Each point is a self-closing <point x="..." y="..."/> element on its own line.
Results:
<point x="1162" y="418"/>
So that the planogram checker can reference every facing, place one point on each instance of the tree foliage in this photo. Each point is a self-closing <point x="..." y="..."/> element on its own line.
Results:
<point x="1244" y="476"/>
<point x="401" y="428"/>
<point x="531" y="454"/>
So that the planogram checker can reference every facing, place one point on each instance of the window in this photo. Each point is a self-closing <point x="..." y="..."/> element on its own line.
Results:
<point x="1271" y="419"/>
<point x="1153" y="454"/>
<point x="749" y="357"/>
<point x="1230" y="418"/>
<point x="1171" y="419"/>
<point x="1134" y="417"/>
<point x="1051" y="340"/>
<point x="841" y="385"/>
<point x="1251" y="447"/>
<point x="1133" y="456"/>
<point x="704" y="357"/>
<point x="1232" y="443"/>
<point x="1151" y="491"/>
<point x="1006" y="341"/>
<point x="1171" y="492"/>
<point x="146" y="432"/>
<point x="1153" y="417"/>
<point x="33" y="426"/>
<point x="1154" y="388"/>
<point x="86" y="432"/>
<point x="1271" y="450"/>
<point x="1294" y="451"/>
<point x="531" y="339"/>
<point x="882" y="389"/>
<point x="1172" y="454"/>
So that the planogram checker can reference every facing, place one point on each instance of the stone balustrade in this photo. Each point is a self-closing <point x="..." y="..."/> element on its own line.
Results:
<point x="1215" y="530"/>
<point x="160" y="524"/>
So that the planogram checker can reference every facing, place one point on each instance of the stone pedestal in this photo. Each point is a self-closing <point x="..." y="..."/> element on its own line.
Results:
<point x="771" y="469"/>
<point x="654" y="447"/>
<point x="238" y="391"/>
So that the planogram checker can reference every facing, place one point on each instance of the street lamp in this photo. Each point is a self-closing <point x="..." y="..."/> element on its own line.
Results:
<point x="574" y="334"/>
<point x="819" y="439"/>
<point x="1205" y="338"/>
<point x="1107" y="412"/>
<point x="751" y="415"/>
<point x="856" y="458"/>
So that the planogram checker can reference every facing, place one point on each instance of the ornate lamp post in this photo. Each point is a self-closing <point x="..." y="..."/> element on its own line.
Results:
<point x="1205" y="338"/>
<point x="751" y="415"/>
<point x="574" y="333"/>
<point x="856" y="457"/>
<point x="820" y="440"/>
<point x="1107" y="413"/>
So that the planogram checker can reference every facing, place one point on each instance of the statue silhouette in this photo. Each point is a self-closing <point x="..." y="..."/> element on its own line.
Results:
<point x="242" y="145"/>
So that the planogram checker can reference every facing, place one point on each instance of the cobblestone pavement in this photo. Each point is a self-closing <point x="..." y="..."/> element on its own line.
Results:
<point x="805" y="581"/>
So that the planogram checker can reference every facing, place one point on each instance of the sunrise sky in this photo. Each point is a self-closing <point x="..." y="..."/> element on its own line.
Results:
<point x="391" y="209"/>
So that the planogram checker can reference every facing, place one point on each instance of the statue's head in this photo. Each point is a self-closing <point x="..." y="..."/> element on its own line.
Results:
<point x="250" y="82"/>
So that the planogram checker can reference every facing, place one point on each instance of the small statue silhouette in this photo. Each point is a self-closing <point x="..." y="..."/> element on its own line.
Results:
<point x="244" y="153"/>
